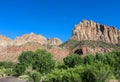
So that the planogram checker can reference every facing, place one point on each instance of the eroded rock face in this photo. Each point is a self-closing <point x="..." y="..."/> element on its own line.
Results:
<point x="87" y="50"/>
<point x="59" y="53"/>
<point x="12" y="53"/>
<point x="11" y="49"/>
<point x="30" y="38"/>
<point x="4" y="41"/>
<point x="89" y="30"/>
<point x="54" y="41"/>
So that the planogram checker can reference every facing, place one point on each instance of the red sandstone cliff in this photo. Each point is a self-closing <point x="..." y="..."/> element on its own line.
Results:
<point x="89" y="30"/>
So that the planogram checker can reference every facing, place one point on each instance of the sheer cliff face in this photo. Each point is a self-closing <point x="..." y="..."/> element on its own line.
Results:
<point x="89" y="30"/>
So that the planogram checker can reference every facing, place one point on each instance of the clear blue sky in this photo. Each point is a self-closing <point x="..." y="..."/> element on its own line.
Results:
<point x="54" y="18"/>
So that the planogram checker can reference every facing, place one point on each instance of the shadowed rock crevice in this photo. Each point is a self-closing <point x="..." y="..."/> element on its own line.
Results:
<point x="102" y="28"/>
<point x="78" y="51"/>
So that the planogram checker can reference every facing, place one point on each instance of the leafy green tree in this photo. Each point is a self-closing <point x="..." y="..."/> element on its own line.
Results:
<point x="117" y="53"/>
<point x="26" y="57"/>
<point x="73" y="60"/>
<point x="19" y="69"/>
<point x="97" y="72"/>
<point x="43" y="61"/>
<point x="34" y="76"/>
<point x="7" y="64"/>
<point x="89" y="59"/>
<point x="40" y="60"/>
<point x="62" y="76"/>
<point x="113" y="59"/>
<point x="102" y="72"/>
<point x="9" y="72"/>
<point x="88" y="76"/>
<point x="60" y="65"/>
<point x="110" y="59"/>
<point x="100" y="57"/>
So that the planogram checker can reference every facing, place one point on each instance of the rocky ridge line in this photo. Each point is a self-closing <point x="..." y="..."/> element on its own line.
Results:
<point x="89" y="30"/>
<point x="4" y="41"/>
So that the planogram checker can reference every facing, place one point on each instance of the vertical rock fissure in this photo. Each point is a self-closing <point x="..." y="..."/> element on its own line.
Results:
<point x="89" y="30"/>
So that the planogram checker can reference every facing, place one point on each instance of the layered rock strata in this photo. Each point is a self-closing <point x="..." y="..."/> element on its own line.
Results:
<point x="89" y="30"/>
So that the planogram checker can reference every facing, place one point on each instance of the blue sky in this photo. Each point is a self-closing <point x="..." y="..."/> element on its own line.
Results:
<point x="54" y="18"/>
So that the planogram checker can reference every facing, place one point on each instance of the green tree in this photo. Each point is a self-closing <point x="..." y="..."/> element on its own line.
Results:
<point x="34" y="76"/>
<point x="60" y="65"/>
<point x="26" y="57"/>
<point x="62" y="76"/>
<point x="100" y="57"/>
<point x="102" y="72"/>
<point x="110" y="59"/>
<point x="113" y="59"/>
<point x="40" y="60"/>
<point x="9" y="72"/>
<point x="43" y="61"/>
<point x="89" y="59"/>
<point x="88" y="76"/>
<point x="73" y="60"/>
<point x="97" y="72"/>
<point x="7" y="64"/>
<point x="19" y="69"/>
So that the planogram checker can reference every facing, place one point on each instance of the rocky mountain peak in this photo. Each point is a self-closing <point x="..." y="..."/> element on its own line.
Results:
<point x="54" y="41"/>
<point x="89" y="30"/>
<point x="30" y="38"/>
<point x="26" y="38"/>
<point x="4" y="41"/>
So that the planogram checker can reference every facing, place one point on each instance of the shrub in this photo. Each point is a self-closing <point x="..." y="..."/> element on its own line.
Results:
<point x="7" y="64"/>
<point x="19" y="69"/>
<point x="62" y="76"/>
<point x="89" y="59"/>
<point x="34" y="77"/>
<point x="73" y="60"/>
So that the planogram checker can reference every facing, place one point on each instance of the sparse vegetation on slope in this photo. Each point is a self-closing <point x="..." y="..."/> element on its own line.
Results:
<point x="71" y="44"/>
<point x="89" y="47"/>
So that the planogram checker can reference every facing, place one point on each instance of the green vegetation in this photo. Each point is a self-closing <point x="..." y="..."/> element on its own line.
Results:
<point x="6" y="68"/>
<point x="7" y="64"/>
<point x="73" y="60"/>
<point x="40" y="60"/>
<point x="34" y="64"/>
<point x="99" y="68"/>
<point x="34" y="76"/>
<point x="39" y="66"/>
<point x="71" y="44"/>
